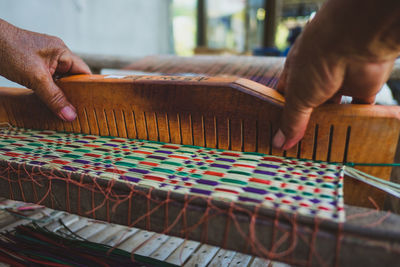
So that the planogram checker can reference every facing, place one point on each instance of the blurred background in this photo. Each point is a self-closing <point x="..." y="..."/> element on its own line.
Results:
<point x="137" y="28"/>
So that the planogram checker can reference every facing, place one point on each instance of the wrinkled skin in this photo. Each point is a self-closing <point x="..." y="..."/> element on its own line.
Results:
<point x="34" y="60"/>
<point x="349" y="48"/>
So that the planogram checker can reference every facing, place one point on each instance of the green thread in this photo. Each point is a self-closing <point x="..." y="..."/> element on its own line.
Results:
<point x="352" y="164"/>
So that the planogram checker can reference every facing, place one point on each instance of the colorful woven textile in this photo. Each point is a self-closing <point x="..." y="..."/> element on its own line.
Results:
<point x="300" y="186"/>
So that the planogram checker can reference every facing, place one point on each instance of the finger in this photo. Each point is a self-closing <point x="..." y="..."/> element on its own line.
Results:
<point x="69" y="63"/>
<point x="55" y="99"/>
<point x="293" y="125"/>
<point x="364" y="100"/>
<point x="79" y="66"/>
<point x="336" y="99"/>
<point x="364" y="89"/>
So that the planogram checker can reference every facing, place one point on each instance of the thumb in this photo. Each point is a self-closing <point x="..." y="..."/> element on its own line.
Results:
<point x="55" y="99"/>
<point x="293" y="125"/>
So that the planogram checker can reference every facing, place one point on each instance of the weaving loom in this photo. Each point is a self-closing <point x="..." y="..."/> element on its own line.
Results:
<point x="199" y="164"/>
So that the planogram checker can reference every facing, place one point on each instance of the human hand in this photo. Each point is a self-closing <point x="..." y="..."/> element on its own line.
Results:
<point x="34" y="60"/>
<point x="337" y="54"/>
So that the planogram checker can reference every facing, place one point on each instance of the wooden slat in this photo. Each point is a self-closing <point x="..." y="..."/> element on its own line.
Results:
<point x="338" y="145"/>
<point x="55" y="225"/>
<point x="292" y="152"/>
<point x="9" y="116"/>
<point x="152" y="126"/>
<point x="249" y="135"/>
<point x="67" y="220"/>
<point x="169" y="246"/>
<point x="223" y="132"/>
<point x="93" y="121"/>
<point x="67" y="126"/>
<point x="83" y="120"/>
<point x="264" y="136"/>
<point x="198" y="129"/>
<point x="175" y="128"/>
<point x="55" y="215"/>
<point x="163" y="127"/>
<point x="76" y="125"/>
<point x="91" y="230"/>
<point x="202" y="256"/>
<point x="76" y="226"/>
<point x="100" y="114"/>
<point x="223" y="258"/>
<point x="141" y="124"/>
<point x="323" y="142"/>
<point x="121" y="123"/>
<point x="210" y="131"/>
<point x="151" y="245"/>
<point x="130" y="119"/>
<point x="135" y="241"/>
<point x="240" y="259"/>
<point x="58" y="124"/>
<point x="120" y="237"/>
<point x="35" y="216"/>
<point x="279" y="264"/>
<point x="236" y="135"/>
<point x="109" y="115"/>
<point x="186" y="128"/>
<point x="259" y="262"/>
<point x="107" y="232"/>
<point x="183" y="252"/>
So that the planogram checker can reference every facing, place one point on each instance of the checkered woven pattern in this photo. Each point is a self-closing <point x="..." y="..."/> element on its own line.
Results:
<point x="302" y="186"/>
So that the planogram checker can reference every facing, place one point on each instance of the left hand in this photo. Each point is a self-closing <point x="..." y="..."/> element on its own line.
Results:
<point x="34" y="60"/>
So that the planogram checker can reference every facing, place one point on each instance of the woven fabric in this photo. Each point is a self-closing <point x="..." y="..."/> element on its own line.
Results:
<point x="298" y="186"/>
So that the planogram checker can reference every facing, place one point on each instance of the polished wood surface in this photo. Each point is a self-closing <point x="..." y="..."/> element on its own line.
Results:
<point x="227" y="113"/>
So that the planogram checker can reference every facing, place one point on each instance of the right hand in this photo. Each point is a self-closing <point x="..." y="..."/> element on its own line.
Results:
<point x="330" y="60"/>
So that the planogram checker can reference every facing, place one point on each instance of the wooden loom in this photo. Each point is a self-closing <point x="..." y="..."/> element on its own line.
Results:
<point x="228" y="113"/>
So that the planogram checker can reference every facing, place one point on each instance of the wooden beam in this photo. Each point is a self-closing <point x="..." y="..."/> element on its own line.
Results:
<point x="201" y="23"/>
<point x="272" y="14"/>
<point x="247" y="26"/>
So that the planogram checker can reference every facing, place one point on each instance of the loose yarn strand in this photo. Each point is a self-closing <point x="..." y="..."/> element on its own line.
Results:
<point x="386" y="186"/>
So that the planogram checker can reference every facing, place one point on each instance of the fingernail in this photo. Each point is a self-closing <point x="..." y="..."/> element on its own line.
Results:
<point x="279" y="139"/>
<point x="67" y="113"/>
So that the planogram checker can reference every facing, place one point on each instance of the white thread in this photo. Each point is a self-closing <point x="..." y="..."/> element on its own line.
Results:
<point x="386" y="186"/>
